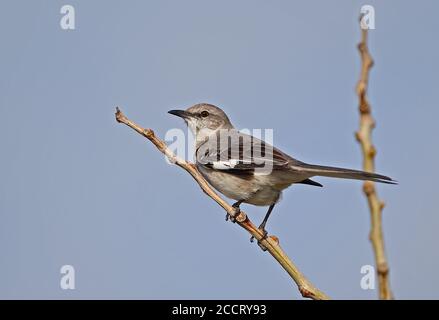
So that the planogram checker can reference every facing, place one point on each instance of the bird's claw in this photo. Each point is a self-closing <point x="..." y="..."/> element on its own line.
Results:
<point x="265" y="234"/>
<point x="236" y="211"/>
<point x="230" y="217"/>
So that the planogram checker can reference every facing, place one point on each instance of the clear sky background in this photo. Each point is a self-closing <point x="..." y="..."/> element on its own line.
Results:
<point x="77" y="188"/>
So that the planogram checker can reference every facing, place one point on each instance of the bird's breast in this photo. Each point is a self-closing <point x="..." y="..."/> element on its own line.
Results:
<point x="241" y="186"/>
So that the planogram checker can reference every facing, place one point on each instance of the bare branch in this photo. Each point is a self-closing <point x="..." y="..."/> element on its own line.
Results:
<point x="271" y="243"/>
<point x="364" y="137"/>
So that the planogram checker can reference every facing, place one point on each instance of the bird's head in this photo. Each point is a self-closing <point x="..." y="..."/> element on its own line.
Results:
<point x="204" y="117"/>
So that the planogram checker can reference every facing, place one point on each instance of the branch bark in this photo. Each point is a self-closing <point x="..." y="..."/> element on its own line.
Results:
<point x="271" y="243"/>
<point x="364" y="137"/>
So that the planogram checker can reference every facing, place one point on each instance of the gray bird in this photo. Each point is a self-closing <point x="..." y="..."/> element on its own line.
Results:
<point x="247" y="169"/>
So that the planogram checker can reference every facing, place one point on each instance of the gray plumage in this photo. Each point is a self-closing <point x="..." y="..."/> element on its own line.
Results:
<point x="247" y="169"/>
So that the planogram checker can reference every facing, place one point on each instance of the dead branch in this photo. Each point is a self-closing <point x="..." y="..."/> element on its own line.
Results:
<point x="271" y="243"/>
<point x="364" y="137"/>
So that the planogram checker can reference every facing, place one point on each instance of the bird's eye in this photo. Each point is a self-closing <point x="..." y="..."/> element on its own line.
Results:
<point x="204" y="114"/>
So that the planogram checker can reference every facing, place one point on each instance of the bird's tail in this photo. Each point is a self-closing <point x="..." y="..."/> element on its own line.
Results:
<point x="343" y="173"/>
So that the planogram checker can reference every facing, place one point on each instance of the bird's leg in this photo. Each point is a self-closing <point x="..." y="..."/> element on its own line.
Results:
<point x="237" y="210"/>
<point x="264" y="222"/>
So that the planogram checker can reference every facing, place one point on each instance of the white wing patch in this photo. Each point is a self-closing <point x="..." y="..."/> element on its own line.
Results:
<point x="225" y="165"/>
<point x="228" y="164"/>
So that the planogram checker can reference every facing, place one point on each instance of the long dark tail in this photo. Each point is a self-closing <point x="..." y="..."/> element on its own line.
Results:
<point x="345" y="173"/>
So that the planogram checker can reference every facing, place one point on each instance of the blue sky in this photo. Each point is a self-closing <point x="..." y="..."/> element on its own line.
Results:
<point x="79" y="189"/>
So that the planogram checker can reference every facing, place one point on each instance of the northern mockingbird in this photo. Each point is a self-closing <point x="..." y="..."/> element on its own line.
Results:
<point x="247" y="169"/>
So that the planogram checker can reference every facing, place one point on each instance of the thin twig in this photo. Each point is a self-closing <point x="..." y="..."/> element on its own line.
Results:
<point x="271" y="243"/>
<point x="364" y="137"/>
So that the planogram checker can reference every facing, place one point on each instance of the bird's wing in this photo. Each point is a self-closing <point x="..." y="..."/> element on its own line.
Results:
<point x="233" y="150"/>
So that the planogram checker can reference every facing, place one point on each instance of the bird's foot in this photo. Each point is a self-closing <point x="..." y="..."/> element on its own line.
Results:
<point x="230" y="217"/>
<point x="264" y="232"/>
<point x="236" y="211"/>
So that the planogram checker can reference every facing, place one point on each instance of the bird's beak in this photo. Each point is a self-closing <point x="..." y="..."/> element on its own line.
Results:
<point x="180" y="113"/>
